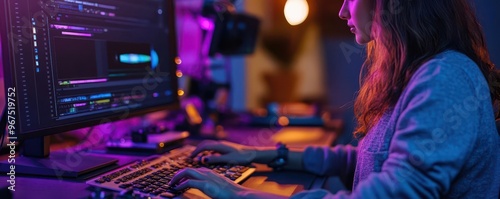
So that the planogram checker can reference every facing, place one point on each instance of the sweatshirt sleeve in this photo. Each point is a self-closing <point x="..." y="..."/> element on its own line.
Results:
<point x="428" y="149"/>
<point x="331" y="161"/>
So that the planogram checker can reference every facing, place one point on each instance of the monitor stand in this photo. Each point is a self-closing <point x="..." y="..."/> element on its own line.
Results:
<point x="36" y="159"/>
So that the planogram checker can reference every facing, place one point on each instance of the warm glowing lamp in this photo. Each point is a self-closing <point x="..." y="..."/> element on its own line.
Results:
<point x="180" y="92"/>
<point x="296" y="11"/>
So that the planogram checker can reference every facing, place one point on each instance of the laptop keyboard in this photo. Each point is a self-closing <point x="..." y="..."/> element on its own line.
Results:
<point x="150" y="177"/>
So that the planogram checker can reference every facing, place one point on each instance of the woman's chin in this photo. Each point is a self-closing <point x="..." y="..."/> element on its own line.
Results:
<point x="362" y="40"/>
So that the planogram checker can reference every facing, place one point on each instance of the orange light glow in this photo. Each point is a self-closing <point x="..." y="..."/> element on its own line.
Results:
<point x="283" y="121"/>
<point x="298" y="134"/>
<point x="180" y="92"/>
<point x="178" y="60"/>
<point x="194" y="116"/>
<point x="179" y="73"/>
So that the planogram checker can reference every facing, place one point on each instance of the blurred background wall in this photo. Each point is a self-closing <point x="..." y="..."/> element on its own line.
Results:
<point x="329" y="60"/>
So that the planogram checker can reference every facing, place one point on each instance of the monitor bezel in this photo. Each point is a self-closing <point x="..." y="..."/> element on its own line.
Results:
<point x="10" y="80"/>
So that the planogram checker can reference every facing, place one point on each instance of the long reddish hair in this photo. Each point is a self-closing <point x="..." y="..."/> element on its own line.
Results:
<point x="405" y="35"/>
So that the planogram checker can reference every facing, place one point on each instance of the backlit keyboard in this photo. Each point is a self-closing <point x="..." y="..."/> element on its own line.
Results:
<point x="150" y="177"/>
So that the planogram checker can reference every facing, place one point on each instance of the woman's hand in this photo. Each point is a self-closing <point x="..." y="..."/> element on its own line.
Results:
<point x="207" y="181"/>
<point x="229" y="152"/>
<point x="214" y="185"/>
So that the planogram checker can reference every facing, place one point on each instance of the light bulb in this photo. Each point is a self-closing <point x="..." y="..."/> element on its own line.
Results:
<point x="296" y="11"/>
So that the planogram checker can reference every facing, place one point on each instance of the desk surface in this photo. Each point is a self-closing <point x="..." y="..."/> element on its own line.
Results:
<point x="292" y="136"/>
<point x="283" y="183"/>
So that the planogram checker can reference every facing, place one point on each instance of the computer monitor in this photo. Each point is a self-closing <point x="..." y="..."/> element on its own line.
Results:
<point x="79" y="63"/>
<point x="234" y="34"/>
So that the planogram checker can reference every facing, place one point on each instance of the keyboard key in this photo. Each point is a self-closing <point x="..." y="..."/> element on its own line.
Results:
<point x="166" y="187"/>
<point x="153" y="186"/>
<point x="138" y="186"/>
<point x="124" y="186"/>
<point x="146" y="190"/>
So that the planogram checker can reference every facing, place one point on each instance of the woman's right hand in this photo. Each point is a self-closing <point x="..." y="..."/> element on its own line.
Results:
<point x="229" y="152"/>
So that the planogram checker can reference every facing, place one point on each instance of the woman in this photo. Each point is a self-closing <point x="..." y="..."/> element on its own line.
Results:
<point x="425" y="111"/>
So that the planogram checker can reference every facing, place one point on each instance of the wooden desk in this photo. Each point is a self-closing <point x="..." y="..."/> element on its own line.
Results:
<point x="292" y="136"/>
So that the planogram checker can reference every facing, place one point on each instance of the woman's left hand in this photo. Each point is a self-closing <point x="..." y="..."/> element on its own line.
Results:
<point x="210" y="183"/>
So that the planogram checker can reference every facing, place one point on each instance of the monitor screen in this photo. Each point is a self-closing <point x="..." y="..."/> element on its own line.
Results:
<point x="77" y="63"/>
